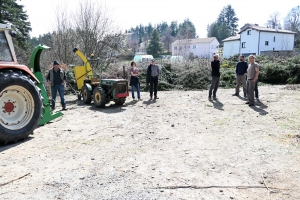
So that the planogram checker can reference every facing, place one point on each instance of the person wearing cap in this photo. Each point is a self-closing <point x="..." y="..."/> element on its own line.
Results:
<point x="215" y="73"/>
<point x="241" y="70"/>
<point x="57" y="78"/>
<point x="153" y="73"/>
<point x="253" y="72"/>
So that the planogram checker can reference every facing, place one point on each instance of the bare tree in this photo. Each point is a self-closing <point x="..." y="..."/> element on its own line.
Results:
<point x="167" y="39"/>
<point x="96" y="32"/>
<point x="64" y="36"/>
<point x="274" y="20"/>
<point x="292" y="23"/>
<point x="292" y="20"/>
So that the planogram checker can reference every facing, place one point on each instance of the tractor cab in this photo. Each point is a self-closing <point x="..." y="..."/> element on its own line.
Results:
<point x="7" y="52"/>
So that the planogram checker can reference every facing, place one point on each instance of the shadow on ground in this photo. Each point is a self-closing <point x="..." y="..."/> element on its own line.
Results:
<point x="12" y="145"/>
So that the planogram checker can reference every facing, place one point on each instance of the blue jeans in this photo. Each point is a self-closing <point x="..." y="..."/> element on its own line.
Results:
<point x="137" y="86"/>
<point x="61" y="90"/>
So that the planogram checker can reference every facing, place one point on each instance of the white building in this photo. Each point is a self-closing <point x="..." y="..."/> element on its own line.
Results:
<point x="256" y="40"/>
<point x="231" y="46"/>
<point x="198" y="47"/>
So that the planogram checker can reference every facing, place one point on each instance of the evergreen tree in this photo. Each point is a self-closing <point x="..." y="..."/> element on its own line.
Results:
<point x="228" y="17"/>
<point x="154" y="48"/>
<point x="12" y="13"/>
<point x="187" y="30"/>
<point x="174" y="28"/>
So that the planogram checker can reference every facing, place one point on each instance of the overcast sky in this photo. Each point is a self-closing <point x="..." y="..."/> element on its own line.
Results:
<point x="129" y="13"/>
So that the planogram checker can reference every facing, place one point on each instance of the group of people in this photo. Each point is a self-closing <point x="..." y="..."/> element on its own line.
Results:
<point x="246" y="74"/>
<point x="153" y="73"/>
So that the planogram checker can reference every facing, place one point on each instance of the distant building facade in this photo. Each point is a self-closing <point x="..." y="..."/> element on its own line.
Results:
<point x="256" y="40"/>
<point x="198" y="47"/>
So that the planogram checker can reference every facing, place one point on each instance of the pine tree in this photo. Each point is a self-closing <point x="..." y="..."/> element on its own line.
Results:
<point x="13" y="13"/>
<point x="187" y="30"/>
<point x="229" y="19"/>
<point x="154" y="48"/>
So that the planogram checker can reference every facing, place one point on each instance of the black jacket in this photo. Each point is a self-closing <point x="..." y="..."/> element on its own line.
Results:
<point x="215" y="68"/>
<point x="241" y="68"/>
<point x="148" y="76"/>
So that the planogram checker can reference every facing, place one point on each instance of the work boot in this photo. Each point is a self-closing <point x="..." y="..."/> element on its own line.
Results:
<point x="64" y="108"/>
<point x="150" y="97"/>
<point x="235" y="94"/>
<point x="155" y="97"/>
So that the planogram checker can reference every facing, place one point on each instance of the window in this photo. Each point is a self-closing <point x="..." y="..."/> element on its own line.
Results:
<point x="243" y="44"/>
<point x="266" y="43"/>
<point x="180" y="47"/>
<point x="249" y="32"/>
<point x="175" y="48"/>
<point x="274" y="39"/>
<point x="5" y="51"/>
<point x="194" y="46"/>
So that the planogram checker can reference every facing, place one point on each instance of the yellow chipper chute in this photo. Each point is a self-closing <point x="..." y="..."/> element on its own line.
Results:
<point x="82" y="72"/>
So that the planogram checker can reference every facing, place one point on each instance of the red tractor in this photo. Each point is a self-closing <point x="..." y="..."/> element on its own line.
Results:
<point x="20" y="98"/>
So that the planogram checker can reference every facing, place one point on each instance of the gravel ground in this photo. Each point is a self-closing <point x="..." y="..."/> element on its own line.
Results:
<point x="181" y="146"/>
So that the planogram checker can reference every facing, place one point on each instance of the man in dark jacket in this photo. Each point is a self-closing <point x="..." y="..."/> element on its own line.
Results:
<point x="153" y="73"/>
<point x="241" y="70"/>
<point x="57" y="78"/>
<point x="215" y="73"/>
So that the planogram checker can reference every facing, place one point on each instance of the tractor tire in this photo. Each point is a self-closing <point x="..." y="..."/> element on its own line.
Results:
<point x="86" y="95"/>
<point x="20" y="106"/>
<point x="99" y="97"/>
<point x="120" y="101"/>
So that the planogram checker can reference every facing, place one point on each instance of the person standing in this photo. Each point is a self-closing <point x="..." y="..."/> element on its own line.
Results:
<point x="134" y="80"/>
<point x="253" y="72"/>
<point x="57" y="78"/>
<point x="153" y="73"/>
<point x="241" y="70"/>
<point x="215" y="73"/>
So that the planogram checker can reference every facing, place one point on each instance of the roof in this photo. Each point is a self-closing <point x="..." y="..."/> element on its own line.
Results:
<point x="194" y="41"/>
<point x="264" y="29"/>
<point x="232" y="38"/>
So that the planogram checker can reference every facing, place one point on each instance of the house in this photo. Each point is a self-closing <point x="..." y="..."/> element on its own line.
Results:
<point x="198" y="47"/>
<point x="256" y="40"/>
<point x="231" y="46"/>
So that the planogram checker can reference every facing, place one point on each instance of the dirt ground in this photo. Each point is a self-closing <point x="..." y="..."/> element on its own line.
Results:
<point x="181" y="146"/>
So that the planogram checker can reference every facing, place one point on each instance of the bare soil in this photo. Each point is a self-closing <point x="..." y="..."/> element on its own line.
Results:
<point x="181" y="146"/>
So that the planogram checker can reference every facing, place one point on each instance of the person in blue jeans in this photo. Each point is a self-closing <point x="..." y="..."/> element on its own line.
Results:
<point x="134" y="80"/>
<point x="57" y="78"/>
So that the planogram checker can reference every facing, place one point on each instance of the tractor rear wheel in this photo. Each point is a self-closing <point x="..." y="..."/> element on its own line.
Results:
<point x="120" y="101"/>
<point x="20" y="106"/>
<point x="99" y="97"/>
<point x="86" y="94"/>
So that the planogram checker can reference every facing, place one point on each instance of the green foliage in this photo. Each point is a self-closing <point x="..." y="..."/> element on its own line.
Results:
<point x="227" y="78"/>
<point x="13" y="13"/>
<point x="228" y="18"/>
<point x="274" y="73"/>
<point x="225" y="25"/>
<point x="186" y="30"/>
<point x="154" y="48"/>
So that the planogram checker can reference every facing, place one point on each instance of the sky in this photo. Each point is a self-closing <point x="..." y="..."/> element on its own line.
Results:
<point x="130" y="13"/>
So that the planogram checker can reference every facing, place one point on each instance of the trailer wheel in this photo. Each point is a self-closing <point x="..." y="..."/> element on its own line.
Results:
<point x="86" y="94"/>
<point x="99" y="97"/>
<point x="120" y="101"/>
<point x="20" y="106"/>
